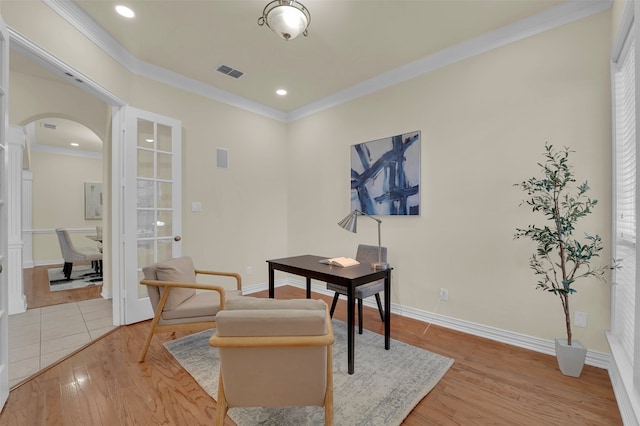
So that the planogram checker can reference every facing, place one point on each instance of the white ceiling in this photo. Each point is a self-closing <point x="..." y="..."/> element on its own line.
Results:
<point x="354" y="47"/>
<point x="61" y="133"/>
<point x="349" y="42"/>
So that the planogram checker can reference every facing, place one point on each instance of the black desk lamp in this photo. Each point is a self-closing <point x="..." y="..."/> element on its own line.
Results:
<point x="350" y="224"/>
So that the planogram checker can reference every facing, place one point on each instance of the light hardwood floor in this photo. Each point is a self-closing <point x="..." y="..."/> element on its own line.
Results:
<point x="489" y="383"/>
<point x="36" y="289"/>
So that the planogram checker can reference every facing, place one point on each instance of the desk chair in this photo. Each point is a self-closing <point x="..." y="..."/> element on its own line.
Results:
<point x="172" y="286"/>
<point x="366" y="254"/>
<point x="274" y="353"/>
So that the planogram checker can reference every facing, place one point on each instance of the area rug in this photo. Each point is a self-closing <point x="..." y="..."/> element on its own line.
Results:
<point x="81" y="276"/>
<point x="383" y="390"/>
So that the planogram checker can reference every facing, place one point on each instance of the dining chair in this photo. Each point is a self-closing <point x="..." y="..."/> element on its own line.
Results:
<point x="99" y="237"/>
<point x="274" y="353"/>
<point x="365" y="254"/>
<point x="172" y="285"/>
<point x="71" y="253"/>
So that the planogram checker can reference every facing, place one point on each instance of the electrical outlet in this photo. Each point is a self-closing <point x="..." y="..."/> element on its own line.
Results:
<point x="444" y="294"/>
<point x="249" y="270"/>
<point x="580" y="319"/>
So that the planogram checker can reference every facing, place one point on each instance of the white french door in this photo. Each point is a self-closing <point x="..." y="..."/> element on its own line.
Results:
<point x="152" y="201"/>
<point x="4" y="239"/>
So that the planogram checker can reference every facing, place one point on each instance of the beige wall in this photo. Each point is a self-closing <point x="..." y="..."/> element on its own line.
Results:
<point x="243" y="219"/>
<point x="65" y="43"/>
<point x="34" y="97"/>
<point x="244" y="215"/>
<point x="58" y="192"/>
<point x="58" y="200"/>
<point x="484" y="123"/>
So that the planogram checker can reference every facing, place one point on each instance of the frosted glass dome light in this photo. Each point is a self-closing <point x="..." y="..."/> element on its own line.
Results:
<point x="287" y="18"/>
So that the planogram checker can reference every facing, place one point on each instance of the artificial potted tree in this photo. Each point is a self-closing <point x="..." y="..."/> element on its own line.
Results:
<point x="561" y="259"/>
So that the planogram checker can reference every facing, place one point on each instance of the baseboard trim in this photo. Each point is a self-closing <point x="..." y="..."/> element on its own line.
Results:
<point x="49" y="262"/>
<point x="594" y="358"/>
<point x="106" y="294"/>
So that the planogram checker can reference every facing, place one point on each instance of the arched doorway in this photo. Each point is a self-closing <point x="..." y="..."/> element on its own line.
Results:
<point x="61" y="157"/>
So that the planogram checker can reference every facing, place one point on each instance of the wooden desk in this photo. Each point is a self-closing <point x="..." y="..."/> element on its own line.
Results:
<point x="350" y="277"/>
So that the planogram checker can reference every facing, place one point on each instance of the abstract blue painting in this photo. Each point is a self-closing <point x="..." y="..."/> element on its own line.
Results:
<point x="385" y="176"/>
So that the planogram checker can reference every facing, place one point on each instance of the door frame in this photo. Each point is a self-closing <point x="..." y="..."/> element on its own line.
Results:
<point x="113" y="192"/>
<point x="4" y="220"/>
<point x="135" y="308"/>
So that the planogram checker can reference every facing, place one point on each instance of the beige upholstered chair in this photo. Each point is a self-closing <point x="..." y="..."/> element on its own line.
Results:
<point x="274" y="353"/>
<point x="99" y="237"/>
<point x="172" y="291"/>
<point x="71" y="253"/>
<point x="365" y="254"/>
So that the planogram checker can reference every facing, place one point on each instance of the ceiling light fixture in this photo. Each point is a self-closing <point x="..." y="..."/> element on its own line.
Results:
<point x="287" y="18"/>
<point x="281" y="92"/>
<point x="74" y="144"/>
<point x="125" y="11"/>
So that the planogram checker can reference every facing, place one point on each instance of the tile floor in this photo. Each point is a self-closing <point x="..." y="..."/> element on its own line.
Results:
<point x="41" y="336"/>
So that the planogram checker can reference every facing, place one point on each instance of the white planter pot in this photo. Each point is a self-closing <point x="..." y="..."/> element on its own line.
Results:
<point x="570" y="358"/>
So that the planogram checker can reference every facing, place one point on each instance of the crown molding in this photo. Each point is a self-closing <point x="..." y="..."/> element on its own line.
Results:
<point x="553" y="18"/>
<point x="179" y="81"/>
<point x="545" y="21"/>
<point x="624" y="30"/>
<point x="80" y="20"/>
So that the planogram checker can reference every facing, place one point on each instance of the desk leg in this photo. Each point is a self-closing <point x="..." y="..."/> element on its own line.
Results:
<point x="272" y="291"/>
<point x="308" y="288"/>
<point x="350" y="328"/>
<point x="387" y="310"/>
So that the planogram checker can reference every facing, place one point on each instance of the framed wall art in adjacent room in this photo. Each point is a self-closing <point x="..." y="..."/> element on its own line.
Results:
<point x="92" y="200"/>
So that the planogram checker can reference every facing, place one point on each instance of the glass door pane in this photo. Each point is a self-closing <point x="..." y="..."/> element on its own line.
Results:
<point x="153" y="202"/>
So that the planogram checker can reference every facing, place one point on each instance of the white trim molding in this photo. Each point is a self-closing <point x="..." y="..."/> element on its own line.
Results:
<point x="594" y="358"/>
<point x="27" y="218"/>
<point x="16" y="142"/>
<point x="40" y="56"/>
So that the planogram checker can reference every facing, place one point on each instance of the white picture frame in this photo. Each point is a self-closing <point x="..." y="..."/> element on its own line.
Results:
<point x="92" y="201"/>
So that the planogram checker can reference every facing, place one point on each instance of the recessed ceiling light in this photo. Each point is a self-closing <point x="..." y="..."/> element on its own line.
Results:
<point x="125" y="11"/>
<point x="149" y="140"/>
<point x="281" y="92"/>
<point x="74" y="144"/>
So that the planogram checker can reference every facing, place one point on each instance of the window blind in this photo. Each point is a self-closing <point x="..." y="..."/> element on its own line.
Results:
<point x="625" y="202"/>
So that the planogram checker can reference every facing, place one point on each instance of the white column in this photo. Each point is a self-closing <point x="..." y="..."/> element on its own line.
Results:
<point x="17" y="299"/>
<point x="27" y="219"/>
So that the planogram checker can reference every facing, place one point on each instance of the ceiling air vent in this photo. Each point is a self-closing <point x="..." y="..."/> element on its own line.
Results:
<point x="48" y="126"/>
<point x="231" y="72"/>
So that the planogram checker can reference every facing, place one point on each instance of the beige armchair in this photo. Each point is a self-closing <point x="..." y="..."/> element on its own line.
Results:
<point x="172" y="291"/>
<point x="274" y="353"/>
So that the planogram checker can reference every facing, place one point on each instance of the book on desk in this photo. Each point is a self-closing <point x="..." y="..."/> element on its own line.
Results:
<point x="340" y="261"/>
